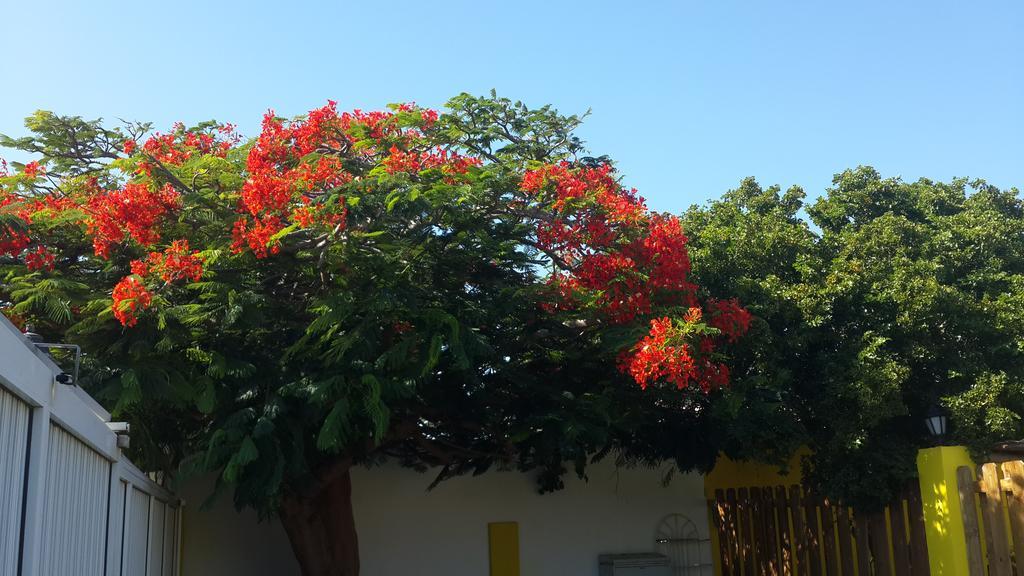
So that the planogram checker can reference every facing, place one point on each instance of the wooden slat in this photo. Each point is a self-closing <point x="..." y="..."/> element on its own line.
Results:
<point x="860" y="523"/>
<point x="746" y="533"/>
<point x="785" y="541"/>
<point x="735" y="540"/>
<point x="1013" y="472"/>
<point x="965" y="487"/>
<point x="879" y="541"/>
<point x="721" y="520"/>
<point x="800" y="535"/>
<point x="900" y="539"/>
<point x="995" y="527"/>
<point x="918" y="542"/>
<point x="828" y="537"/>
<point x="771" y="531"/>
<point x="813" y="534"/>
<point x="844" y="524"/>
<point x="789" y="532"/>
<point x="757" y="530"/>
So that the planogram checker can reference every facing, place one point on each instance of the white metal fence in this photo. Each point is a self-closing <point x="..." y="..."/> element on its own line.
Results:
<point x="14" y="422"/>
<point x="70" y="503"/>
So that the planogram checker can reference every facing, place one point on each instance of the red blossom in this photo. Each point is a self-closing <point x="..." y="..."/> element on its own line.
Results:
<point x="629" y="263"/>
<point x="12" y="242"/>
<point x="450" y="163"/>
<point x="292" y="164"/>
<point x="628" y="259"/>
<point x="731" y="318"/>
<point x="140" y="267"/>
<point x="177" y="262"/>
<point x="39" y="259"/>
<point x="134" y="211"/>
<point x="179" y="145"/>
<point x="662" y="354"/>
<point x="256" y="235"/>
<point x="130" y="297"/>
<point x="34" y="169"/>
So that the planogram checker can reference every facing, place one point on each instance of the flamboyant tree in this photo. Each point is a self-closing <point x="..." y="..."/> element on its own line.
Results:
<point x="462" y="290"/>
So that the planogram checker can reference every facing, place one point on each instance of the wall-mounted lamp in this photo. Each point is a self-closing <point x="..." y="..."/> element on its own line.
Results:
<point x="936" y="421"/>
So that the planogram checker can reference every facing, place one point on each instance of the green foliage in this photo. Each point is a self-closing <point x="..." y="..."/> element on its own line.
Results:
<point x="901" y="296"/>
<point x="988" y="412"/>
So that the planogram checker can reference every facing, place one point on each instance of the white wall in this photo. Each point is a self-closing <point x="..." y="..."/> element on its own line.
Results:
<point x="222" y="542"/>
<point x="403" y="529"/>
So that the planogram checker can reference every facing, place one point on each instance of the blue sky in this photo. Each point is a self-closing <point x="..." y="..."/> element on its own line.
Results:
<point x="688" y="97"/>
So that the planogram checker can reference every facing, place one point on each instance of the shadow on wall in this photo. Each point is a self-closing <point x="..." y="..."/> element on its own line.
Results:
<point x="404" y="529"/>
<point x="225" y="542"/>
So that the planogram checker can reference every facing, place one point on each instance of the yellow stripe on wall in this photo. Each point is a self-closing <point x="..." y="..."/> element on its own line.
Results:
<point x="504" y="547"/>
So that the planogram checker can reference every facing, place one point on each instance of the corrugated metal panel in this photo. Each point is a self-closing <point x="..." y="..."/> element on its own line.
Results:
<point x="170" y="538"/>
<point x="137" y="534"/>
<point x="75" y="507"/>
<point x="14" y="432"/>
<point x="156" y="537"/>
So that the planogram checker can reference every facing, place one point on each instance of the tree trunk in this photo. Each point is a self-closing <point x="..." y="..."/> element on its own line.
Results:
<point x="322" y="529"/>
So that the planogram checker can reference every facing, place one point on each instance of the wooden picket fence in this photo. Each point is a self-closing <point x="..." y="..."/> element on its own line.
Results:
<point x="994" y="545"/>
<point x="789" y="531"/>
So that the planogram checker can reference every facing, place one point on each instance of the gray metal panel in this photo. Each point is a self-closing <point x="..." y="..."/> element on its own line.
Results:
<point x="156" y="537"/>
<point x="14" y="432"/>
<point x="170" y="538"/>
<point x="137" y="534"/>
<point x="75" y="507"/>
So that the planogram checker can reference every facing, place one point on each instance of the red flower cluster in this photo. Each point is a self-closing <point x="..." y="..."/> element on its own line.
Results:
<point x="133" y="211"/>
<point x="179" y="145"/>
<point x="130" y="297"/>
<point x="34" y="169"/>
<point x="278" y="179"/>
<point x="40" y="258"/>
<point x="308" y="216"/>
<point x="561" y="184"/>
<point x="294" y="163"/>
<point x="177" y="262"/>
<point x="732" y="319"/>
<point x="451" y="163"/>
<point x="666" y="354"/>
<point x="256" y="235"/>
<point x="628" y="263"/>
<point x="662" y="354"/>
<point x="626" y="258"/>
<point x="12" y="242"/>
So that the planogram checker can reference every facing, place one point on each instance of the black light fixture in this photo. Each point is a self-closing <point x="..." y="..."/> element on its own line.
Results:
<point x="936" y="421"/>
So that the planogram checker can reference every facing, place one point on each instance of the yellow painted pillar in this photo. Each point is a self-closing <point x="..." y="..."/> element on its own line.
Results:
<point x="944" y="527"/>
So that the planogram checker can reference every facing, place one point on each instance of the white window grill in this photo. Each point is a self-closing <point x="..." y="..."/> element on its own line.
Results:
<point x="677" y="537"/>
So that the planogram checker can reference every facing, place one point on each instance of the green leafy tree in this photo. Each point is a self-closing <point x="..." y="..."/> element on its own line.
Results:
<point x="892" y="298"/>
<point x="461" y="290"/>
